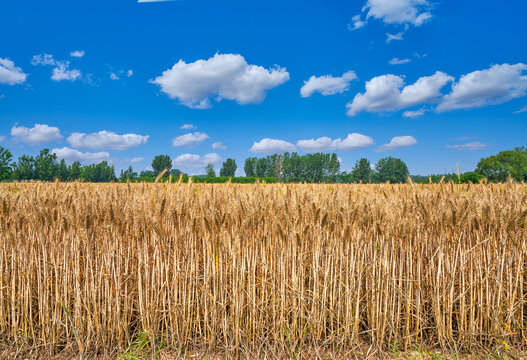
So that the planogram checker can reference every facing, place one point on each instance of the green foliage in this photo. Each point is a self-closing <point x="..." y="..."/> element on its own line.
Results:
<point x="209" y="169"/>
<point x="392" y="170"/>
<point x="176" y="173"/>
<point x="46" y="166"/>
<point x="497" y="168"/>
<point x="5" y="164"/>
<point x="101" y="172"/>
<point x="74" y="171"/>
<point x="147" y="173"/>
<point x="250" y="166"/>
<point x="229" y="168"/>
<point x="128" y="174"/>
<point x="362" y="171"/>
<point x="62" y="171"/>
<point x="160" y="163"/>
<point x="24" y="169"/>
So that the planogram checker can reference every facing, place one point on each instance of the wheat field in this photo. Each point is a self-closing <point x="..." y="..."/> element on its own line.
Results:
<point x="275" y="269"/>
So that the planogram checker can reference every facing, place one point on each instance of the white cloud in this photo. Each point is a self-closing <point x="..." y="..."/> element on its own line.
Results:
<point x="11" y="74"/>
<point x="130" y="73"/>
<point x="414" y="114"/>
<point x="318" y="145"/>
<point x="272" y="146"/>
<point x="72" y="155"/>
<point x="2" y="138"/>
<point x="394" y="37"/>
<point x="353" y="141"/>
<point x="522" y="110"/>
<point x="114" y="76"/>
<point x="327" y="84"/>
<point x="137" y="159"/>
<point x="396" y="61"/>
<point x="411" y="12"/>
<point x="496" y="85"/>
<point x="36" y="135"/>
<point x="190" y="139"/>
<point x="383" y="93"/>
<point x="77" y="53"/>
<point x="224" y="76"/>
<point x="194" y="161"/>
<point x="106" y="140"/>
<point x="43" y="59"/>
<point x="398" y="142"/>
<point x="187" y="127"/>
<point x="357" y="23"/>
<point x="61" y="71"/>
<point x="219" y="145"/>
<point x="471" y="146"/>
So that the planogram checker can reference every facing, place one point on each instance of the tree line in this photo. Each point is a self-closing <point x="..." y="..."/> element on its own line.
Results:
<point x="288" y="167"/>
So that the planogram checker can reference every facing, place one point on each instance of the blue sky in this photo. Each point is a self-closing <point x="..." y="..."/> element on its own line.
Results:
<point x="433" y="83"/>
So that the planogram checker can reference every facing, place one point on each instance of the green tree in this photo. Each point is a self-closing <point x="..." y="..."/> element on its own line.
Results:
<point x="392" y="170"/>
<point x="74" y="171"/>
<point x="5" y="164"/>
<point x="176" y="173"/>
<point x="229" y="168"/>
<point x="46" y="165"/>
<point x="250" y="166"/>
<point x="128" y="174"/>
<point x="101" y="172"/>
<point x="63" y="171"/>
<point x="160" y="163"/>
<point x="362" y="171"/>
<point x="262" y="166"/>
<point x="24" y="169"/>
<point x="498" y="167"/>
<point x="209" y="169"/>
<point x="147" y="173"/>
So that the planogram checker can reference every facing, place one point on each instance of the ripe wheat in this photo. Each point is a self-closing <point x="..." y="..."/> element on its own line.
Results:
<point x="235" y="268"/>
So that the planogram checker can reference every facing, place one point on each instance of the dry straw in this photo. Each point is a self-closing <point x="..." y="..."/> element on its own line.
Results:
<point x="242" y="267"/>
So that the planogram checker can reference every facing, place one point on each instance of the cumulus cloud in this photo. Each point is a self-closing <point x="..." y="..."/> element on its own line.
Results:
<point x="396" y="61"/>
<point x="410" y="12"/>
<point x="191" y="139"/>
<point x="137" y="159"/>
<point x="398" y="142"/>
<point x="130" y="73"/>
<point x="471" y="146"/>
<point x="272" y="146"/>
<point x="394" y="37"/>
<point x="114" y="76"/>
<point x="496" y="85"/>
<point x="383" y="93"/>
<point x="194" y="161"/>
<point x="38" y="134"/>
<point x="71" y="155"/>
<point x="414" y="113"/>
<point x="11" y="74"/>
<point x="61" y="72"/>
<point x="224" y="76"/>
<point x="353" y="141"/>
<point x="357" y="23"/>
<point x="219" y="145"/>
<point x="77" y="53"/>
<point x="106" y="140"/>
<point x="327" y="84"/>
<point x="187" y="127"/>
<point x="43" y="59"/>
